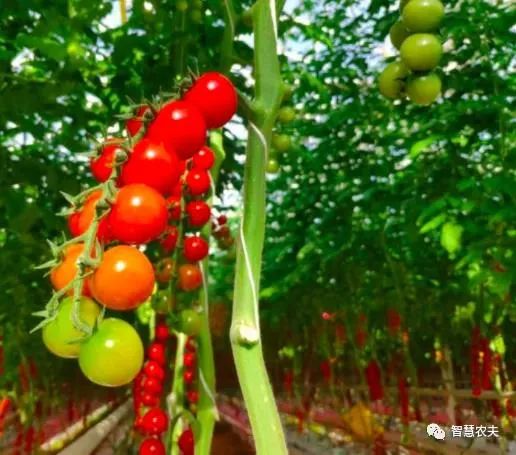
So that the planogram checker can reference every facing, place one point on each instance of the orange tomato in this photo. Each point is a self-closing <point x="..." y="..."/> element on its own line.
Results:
<point x="67" y="269"/>
<point x="124" y="279"/>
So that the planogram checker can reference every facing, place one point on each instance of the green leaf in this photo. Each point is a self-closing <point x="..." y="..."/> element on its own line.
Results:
<point x="451" y="237"/>
<point x="420" y="146"/>
<point x="434" y="223"/>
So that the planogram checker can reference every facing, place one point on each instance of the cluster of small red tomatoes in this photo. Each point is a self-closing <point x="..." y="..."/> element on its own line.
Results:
<point x="160" y="182"/>
<point x="420" y="51"/>
<point x="151" y="421"/>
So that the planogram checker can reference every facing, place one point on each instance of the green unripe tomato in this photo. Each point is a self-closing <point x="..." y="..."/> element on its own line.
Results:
<point x="392" y="80"/>
<point x="286" y="114"/>
<point x="58" y="334"/>
<point x="273" y="166"/>
<point x="423" y="15"/>
<point x="281" y="142"/>
<point x="425" y="89"/>
<point x="75" y="50"/>
<point x="190" y="322"/>
<point x="421" y="52"/>
<point x="113" y="355"/>
<point x="398" y="33"/>
<point x="182" y="5"/>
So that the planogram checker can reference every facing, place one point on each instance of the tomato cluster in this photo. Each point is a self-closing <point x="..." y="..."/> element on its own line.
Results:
<point x="420" y="51"/>
<point x="151" y="421"/>
<point x="152" y="187"/>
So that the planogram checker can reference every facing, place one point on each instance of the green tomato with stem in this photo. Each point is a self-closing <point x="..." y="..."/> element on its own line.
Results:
<point x="421" y="51"/>
<point x="392" y="80"/>
<point x="113" y="355"/>
<point x="60" y="335"/>
<point x="424" y="89"/>
<point x="423" y="15"/>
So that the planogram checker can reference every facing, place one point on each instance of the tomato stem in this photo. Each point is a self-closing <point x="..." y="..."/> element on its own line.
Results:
<point x="245" y="328"/>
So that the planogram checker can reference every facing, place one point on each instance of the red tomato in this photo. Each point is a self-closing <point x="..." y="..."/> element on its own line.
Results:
<point x="169" y="242"/>
<point x="149" y="399"/>
<point x="188" y="376"/>
<point x="124" y="278"/>
<point x="162" y="333"/>
<point x="154" y="370"/>
<point x="189" y="359"/>
<point x="155" y="421"/>
<point x="156" y="351"/>
<point x="195" y="248"/>
<point x="192" y="396"/>
<point x="150" y="163"/>
<point x="186" y="442"/>
<point x="204" y="158"/>
<point x="222" y="219"/>
<point x="138" y="215"/>
<point x="102" y="166"/>
<point x="152" y="385"/>
<point x="177" y="189"/>
<point x="216" y="98"/>
<point x="73" y="224"/>
<point x="198" y="212"/>
<point x="88" y="214"/>
<point x="181" y="126"/>
<point x="134" y="124"/>
<point x="174" y="207"/>
<point x="198" y="181"/>
<point x="190" y="277"/>
<point x="152" y="446"/>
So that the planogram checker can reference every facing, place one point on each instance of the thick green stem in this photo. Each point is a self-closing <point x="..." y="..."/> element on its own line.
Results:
<point x="207" y="410"/>
<point x="245" y="328"/>
<point x="177" y="393"/>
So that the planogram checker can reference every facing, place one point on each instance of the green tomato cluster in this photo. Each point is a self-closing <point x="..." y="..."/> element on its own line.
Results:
<point x="112" y="356"/>
<point x="420" y="53"/>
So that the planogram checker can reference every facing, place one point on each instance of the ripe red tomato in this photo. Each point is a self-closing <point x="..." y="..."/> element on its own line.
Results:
<point x="198" y="181"/>
<point x="152" y="385"/>
<point x="192" y="396"/>
<point x="195" y="248"/>
<point x="198" y="212"/>
<point x="155" y="421"/>
<point x="169" y="242"/>
<point x="88" y="214"/>
<point x="102" y="166"/>
<point x="164" y="269"/>
<point x="204" y="158"/>
<point x="153" y="165"/>
<point x="149" y="399"/>
<point x="152" y="446"/>
<point x="222" y="220"/>
<point x="186" y="442"/>
<point x="181" y="126"/>
<point x="156" y="351"/>
<point x="190" y="277"/>
<point x="124" y="278"/>
<point x="66" y="270"/>
<point x="154" y="370"/>
<point x="216" y="98"/>
<point x="138" y="215"/>
<point x="174" y="207"/>
<point x="73" y="224"/>
<point x="188" y="376"/>
<point x="190" y="345"/>
<point x="161" y="332"/>
<point x="177" y="189"/>
<point x="189" y="359"/>
<point x="134" y="124"/>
